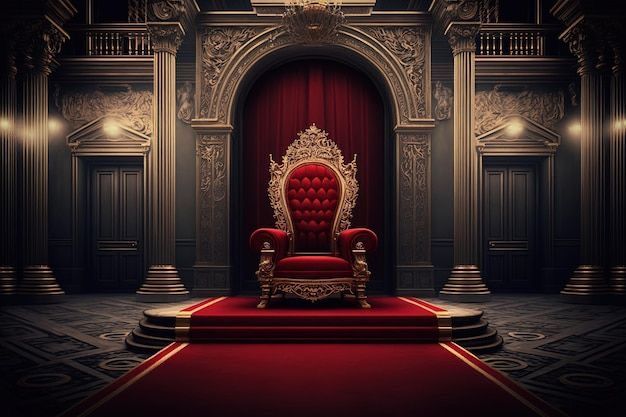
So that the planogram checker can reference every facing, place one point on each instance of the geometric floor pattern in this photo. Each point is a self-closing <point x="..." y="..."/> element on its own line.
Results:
<point x="52" y="356"/>
<point x="572" y="356"/>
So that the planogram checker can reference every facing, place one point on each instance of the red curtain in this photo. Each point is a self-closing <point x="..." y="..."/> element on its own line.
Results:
<point x="338" y="99"/>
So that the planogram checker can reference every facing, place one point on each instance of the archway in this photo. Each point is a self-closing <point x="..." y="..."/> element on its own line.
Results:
<point x="286" y="99"/>
<point x="393" y="52"/>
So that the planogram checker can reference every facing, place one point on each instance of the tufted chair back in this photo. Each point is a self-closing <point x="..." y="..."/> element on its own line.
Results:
<point x="312" y="194"/>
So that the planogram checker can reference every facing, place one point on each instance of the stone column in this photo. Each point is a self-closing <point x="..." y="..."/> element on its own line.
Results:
<point x="8" y="280"/>
<point x="588" y="283"/>
<point x="163" y="283"/>
<point x="617" y="170"/>
<point x="38" y="282"/>
<point x="465" y="282"/>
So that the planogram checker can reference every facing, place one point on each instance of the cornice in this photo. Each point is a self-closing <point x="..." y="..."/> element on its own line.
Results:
<point x="183" y="12"/>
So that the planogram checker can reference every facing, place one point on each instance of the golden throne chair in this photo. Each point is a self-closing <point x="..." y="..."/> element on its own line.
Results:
<point x="312" y="252"/>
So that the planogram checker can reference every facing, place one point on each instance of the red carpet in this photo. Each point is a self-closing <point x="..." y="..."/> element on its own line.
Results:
<point x="389" y="319"/>
<point x="313" y="379"/>
<point x="229" y="378"/>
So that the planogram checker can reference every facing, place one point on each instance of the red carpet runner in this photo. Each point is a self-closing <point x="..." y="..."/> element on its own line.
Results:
<point x="315" y="378"/>
<point x="389" y="319"/>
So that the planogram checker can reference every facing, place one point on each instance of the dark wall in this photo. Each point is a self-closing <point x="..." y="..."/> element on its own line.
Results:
<point x="442" y="185"/>
<point x="566" y="198"/>
<point x="60" y="203"/>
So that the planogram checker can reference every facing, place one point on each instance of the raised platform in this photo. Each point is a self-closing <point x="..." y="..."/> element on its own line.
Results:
<point x="238" y="319"/>
<point x="158" y="327"/>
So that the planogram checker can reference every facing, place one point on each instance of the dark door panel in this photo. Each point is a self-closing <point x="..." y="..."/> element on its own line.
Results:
<point x="116" y="227"/>
<point x="509" y="226"/>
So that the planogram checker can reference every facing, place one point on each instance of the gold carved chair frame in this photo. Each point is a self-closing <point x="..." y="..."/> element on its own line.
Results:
<point x="313" y="147"/>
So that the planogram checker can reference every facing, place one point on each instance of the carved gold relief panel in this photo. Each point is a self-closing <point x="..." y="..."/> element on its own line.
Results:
<point x="493" y="106"/>
<point x="133" y="108"/>
<point x="408" y="44"/>
<point x="414" y="198"/>
<point x="219" y="44"/>
<point x="212" y="198"/>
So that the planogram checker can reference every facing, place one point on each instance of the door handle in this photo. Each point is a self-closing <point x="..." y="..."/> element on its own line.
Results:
<point x="508" y="245"/>
<point x="117" y="245"/>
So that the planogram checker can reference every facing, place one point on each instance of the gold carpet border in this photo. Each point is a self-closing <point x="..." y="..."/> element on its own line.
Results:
<point x="136" y="378"/>
<point x="183" y="319"/>
<point x="490" y="377"/>
<point x="444" y="319"/>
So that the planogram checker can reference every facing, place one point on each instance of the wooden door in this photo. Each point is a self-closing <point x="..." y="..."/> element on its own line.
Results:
<point x="509" y="226"/>
<point x="116" y="227"/>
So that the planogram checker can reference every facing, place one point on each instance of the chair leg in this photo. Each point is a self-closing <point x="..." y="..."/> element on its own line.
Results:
<point x="360" y="295"/>
<point x="265" y="294"/>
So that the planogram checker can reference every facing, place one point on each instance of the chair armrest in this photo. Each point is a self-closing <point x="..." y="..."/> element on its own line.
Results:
<point x="357" y="238"/>
<point x="278" y="240"/>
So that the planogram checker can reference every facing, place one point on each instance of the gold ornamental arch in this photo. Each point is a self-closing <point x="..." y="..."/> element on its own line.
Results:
<point x="399" y="53"/>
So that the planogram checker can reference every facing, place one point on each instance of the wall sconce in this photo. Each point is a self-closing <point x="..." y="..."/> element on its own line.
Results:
<point x="111" y="128"/>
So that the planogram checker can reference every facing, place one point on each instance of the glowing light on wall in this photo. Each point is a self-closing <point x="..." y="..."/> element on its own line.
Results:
<point x="4" y="124"/>
<point x="54" y="125"/>
<point x="620" y="124"/>
<point x="111" y="128"/>
<point x="515" y="127"/>
<point x="574" y="128"/>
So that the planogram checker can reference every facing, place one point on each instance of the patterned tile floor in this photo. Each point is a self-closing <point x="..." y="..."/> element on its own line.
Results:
<point x="52" y="356"/>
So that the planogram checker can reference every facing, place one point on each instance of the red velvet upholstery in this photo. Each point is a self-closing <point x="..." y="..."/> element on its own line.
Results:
<point x="312" y="196"/>
<point x="348" y="238"/>
<point x="313" y="266"/>
<point x="278" y="239"/>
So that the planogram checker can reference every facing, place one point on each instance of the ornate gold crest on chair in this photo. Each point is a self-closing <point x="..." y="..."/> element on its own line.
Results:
<point x="312" y="252"/>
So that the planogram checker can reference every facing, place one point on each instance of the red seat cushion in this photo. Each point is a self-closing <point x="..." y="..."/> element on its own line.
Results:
<point x="312" y="195"/>
<point x="313" y="266"/>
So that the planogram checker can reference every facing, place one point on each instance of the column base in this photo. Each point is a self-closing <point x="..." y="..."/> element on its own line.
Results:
<point x="162" y="285"/>
<point x="8" y="281"/>
<point x="39" y="285"/>
<point x="465" y="285"/>
<point x="586" y="286"/>
<point x="617" y="281"/>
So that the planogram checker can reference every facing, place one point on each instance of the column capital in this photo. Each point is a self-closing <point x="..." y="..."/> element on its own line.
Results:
<point x="173" y="11"/>
<point x="584" y="44"/>
<point x="166" y="37"/>
<point x="462" y="36"/>
<point x="39" y="43"/>
<point x="446" y="12"/>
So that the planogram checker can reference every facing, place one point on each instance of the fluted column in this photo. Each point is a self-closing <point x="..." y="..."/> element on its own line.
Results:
<point x="465" y="282"/>
<point x="38" y="282"/>
<point x="8" y="278"/>
<point x="588" y="283"/>
<point x="162" y="283"/>
<point x="617" y="171"/>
